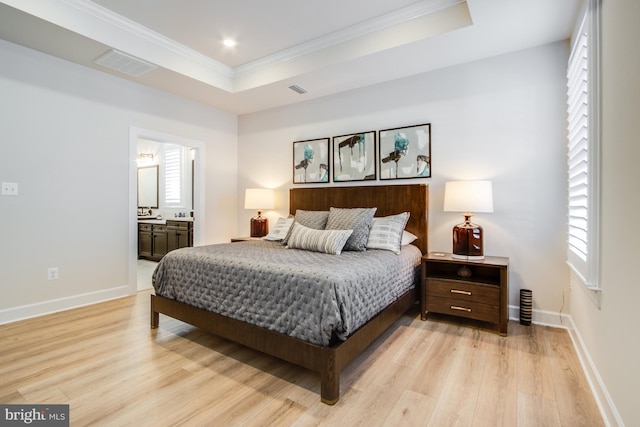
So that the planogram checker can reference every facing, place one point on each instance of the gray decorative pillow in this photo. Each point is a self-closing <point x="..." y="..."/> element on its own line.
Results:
<point x="386" y="232"/>
<point x="327" y="241"/>
<point x="356" y="219"/>
<point x="311" y="219"/>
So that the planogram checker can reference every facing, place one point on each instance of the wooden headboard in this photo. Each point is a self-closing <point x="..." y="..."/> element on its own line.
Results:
<point x="389" y="199"/>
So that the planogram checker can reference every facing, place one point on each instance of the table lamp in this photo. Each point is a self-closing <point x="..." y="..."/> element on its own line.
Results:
<point x="467" y="197"/>
<point x="259" y="199"/>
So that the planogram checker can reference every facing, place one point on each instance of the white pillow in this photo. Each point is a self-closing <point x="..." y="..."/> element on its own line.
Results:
<point x="407" y="238"/>
<point x="386" y="232"/>
<point x="310" y="239"/>
<point x="280" y="230"/>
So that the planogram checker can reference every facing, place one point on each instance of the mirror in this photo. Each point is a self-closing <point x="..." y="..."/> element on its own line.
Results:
<point x="148" y="187"/>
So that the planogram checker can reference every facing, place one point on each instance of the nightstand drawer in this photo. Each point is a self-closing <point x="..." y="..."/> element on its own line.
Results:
<point x="463" y="291"/>
<point x="456" y="307"/>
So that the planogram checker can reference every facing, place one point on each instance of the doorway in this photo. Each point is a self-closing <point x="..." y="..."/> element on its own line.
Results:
<point x="147" y="142"/>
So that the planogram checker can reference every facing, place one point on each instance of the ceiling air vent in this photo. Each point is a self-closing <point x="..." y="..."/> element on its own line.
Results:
<point x="298" y="89"/>
<point x="123" y="63"/>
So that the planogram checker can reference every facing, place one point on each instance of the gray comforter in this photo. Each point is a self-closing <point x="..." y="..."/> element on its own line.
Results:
<point x="308" y="295"/>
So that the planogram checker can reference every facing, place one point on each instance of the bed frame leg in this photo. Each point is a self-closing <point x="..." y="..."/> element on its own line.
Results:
<point x="155" y="316"/>
<point x="330" y="383"/>
<point x="329" y="392"/>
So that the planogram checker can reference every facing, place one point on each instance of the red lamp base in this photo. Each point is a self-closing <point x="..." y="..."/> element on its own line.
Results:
<point x="467" y="241"/>
<point x="259" y="226"/>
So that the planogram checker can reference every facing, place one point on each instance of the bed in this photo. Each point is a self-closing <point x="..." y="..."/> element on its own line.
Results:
<point x="325" y="354"/>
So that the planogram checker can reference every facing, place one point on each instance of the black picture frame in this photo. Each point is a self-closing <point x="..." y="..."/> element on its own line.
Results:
<point x="354" y="157"/>
<point x="405" y="152"/>
<point x="311" y="161"/>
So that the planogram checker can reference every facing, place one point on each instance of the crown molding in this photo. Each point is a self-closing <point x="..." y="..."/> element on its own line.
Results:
<point x="136" y="30"/>
<point x="396" y="17"/>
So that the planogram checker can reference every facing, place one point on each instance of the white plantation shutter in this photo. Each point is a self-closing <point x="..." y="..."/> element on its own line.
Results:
<point x="578" y="162"/>
<point x="173" y="175"/>
<point x="583" y="142"/>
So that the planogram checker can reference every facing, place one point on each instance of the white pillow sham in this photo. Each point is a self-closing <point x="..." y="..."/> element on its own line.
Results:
<point x="326" y="241"/>
<point x="280" y="230"/>
<point x="408" y="238"/>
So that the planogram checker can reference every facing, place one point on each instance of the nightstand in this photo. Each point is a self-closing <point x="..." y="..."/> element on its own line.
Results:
<point x="244" y="239"/>
<point x="476" y="290"/>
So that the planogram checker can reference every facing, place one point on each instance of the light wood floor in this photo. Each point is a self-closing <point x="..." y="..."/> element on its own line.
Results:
<point x="111" y="369"/>
<point x="145" y="271"/>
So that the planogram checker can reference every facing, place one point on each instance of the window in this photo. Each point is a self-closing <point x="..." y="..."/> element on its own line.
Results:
<point x="173" y="175"/>
<point x="583" y="147"/>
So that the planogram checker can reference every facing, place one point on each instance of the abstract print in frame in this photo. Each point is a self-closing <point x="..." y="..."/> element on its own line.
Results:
<point x="311" y="161"/>
<point x="405" y="152"/>
<point x="354" y="157"/>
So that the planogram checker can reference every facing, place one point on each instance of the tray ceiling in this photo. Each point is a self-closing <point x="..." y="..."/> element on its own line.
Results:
<point x="323" y="47"/>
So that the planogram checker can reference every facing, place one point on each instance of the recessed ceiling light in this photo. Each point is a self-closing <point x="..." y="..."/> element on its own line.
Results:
<point x="229" y="42"/>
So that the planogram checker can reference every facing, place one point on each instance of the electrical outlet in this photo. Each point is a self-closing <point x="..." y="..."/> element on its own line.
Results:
<point x="9" y="188"/>
<point x="52" y="273"/>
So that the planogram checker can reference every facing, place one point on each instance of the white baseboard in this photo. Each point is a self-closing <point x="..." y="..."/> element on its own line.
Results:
<point x="607" y="408"/>
<point x="541" y="317"/>
<point x="53" y="306"/>
<point x="603" y="399"/>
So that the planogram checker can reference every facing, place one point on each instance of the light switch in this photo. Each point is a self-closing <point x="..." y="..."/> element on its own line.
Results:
<point x="9" y="188"/>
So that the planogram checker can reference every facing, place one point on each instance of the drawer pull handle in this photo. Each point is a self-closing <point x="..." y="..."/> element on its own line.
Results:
<point x="456" y="291"/>
<point x="455" y="307"/>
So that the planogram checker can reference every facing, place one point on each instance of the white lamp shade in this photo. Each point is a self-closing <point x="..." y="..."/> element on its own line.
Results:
<point x="468" y="196"/>
<point x="258" y="198"/>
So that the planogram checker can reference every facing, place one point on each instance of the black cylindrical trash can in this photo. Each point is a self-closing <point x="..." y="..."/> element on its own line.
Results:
<point x="526" y="300"/>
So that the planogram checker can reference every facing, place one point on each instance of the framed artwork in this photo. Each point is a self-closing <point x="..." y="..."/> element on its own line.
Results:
<point x="354" y="157"/>
<point x="311" y="161"/>
<point x="405" y="152"/>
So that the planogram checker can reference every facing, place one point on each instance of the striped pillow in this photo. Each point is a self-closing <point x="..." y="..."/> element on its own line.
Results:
<point x="312" y="219"/>
<point x="327" y="241"/>
<point x="386" y="232"/>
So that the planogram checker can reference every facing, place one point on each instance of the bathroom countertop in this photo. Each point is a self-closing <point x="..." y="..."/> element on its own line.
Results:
<point x="151" y="220"/>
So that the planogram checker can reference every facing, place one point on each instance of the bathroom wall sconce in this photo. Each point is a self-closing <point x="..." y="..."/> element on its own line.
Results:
<point x="145" y="159"/>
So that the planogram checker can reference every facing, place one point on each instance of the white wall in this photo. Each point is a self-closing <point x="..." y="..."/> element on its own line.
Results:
<point x="65" y="140"/>
<point x="609" y="332"/>
<point x="501" y="119"/>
